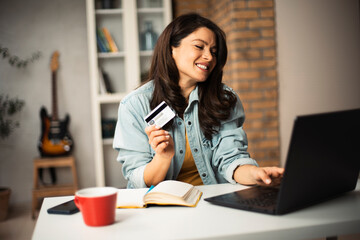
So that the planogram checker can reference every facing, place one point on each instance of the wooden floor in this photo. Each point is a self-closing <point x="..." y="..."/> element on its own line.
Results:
<point x="20" y="226"/>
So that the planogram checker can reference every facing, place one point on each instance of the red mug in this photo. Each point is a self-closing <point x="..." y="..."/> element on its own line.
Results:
<point x="97" y="205"/>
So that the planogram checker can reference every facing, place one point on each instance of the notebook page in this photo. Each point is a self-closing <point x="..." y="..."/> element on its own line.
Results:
<point x="171" y="187"/>
<point x="130" y="198"/>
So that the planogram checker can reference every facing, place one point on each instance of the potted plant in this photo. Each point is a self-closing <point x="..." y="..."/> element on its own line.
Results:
<point x="8" y="108"/>
<point x="4" y="202"/>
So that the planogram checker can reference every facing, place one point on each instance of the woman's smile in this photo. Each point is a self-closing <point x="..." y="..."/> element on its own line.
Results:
<point x="203" y="66"/>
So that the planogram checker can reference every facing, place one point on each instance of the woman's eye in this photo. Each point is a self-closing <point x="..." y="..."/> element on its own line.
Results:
<point x="199" y="47"/>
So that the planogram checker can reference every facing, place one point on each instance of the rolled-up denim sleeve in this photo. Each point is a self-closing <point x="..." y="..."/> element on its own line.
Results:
<point x="132" y="143"/>
<point x="230" y="145"/>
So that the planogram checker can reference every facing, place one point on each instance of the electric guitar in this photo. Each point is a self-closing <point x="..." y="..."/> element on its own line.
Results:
<point x="55" y="139"/>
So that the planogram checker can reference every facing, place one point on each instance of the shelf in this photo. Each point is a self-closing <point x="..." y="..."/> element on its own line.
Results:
<point x="150" y="10"/>
<point x="146" y="53"/>
<point x="111" y="54"/>
<point x="109" y="11"/>
<point x="111" y="98"/>
<point x="107" y="141"/>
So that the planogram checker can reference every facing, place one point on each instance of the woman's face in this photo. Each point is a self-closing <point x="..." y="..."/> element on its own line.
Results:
<point x="195" y="57"/>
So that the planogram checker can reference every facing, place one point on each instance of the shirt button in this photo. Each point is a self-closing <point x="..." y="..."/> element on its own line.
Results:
<point x="181" y="151"/>
<point x="189" y="123"/>
<point x="179" y="123"/>
<point x="203" y="175"/>
<point x="196" y="150"/>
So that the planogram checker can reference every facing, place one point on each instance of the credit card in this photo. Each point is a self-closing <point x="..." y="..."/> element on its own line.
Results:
<point x="160" y="116"/>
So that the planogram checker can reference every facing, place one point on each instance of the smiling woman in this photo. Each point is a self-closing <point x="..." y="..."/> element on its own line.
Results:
<point x="205" y="142"/>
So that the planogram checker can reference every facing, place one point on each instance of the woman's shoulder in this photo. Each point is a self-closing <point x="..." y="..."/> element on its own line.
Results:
<point x="229" y="91"/>
<point x="239" y="109"/>
<point x="227" y="88"/>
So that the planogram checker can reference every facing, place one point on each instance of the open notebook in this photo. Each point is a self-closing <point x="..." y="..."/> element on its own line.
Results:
<point x="323" y="162"/>
<point x="168" y="192"/>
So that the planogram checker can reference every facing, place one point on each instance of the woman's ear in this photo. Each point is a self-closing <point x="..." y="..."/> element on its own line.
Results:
<point x="173" y="51"/>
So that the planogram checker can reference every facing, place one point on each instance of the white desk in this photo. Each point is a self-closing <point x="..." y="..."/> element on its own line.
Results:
<point x="336" y="217"/>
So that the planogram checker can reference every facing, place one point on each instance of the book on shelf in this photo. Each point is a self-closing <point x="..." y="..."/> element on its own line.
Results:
<point x="110" y="40"/>
<point x="108" y="86"/>
<point x="102" y="88"/>
<point x="108" y="127"/>
<point x="100" y="44"/>
<point x="169" y="192"/>
<point x="105" y="41"/>
<point x="104" y="82"/>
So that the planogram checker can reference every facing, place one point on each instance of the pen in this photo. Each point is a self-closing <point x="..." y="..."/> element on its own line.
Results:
<point x="152" y="186"/>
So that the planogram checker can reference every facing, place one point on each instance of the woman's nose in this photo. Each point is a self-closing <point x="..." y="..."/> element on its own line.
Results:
<point x="207" y="55"/>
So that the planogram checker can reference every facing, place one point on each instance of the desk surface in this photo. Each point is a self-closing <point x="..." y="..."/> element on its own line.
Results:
<point x="335" y="217"/>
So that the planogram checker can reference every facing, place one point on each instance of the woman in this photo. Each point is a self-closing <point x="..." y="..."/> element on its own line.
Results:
<point x="205" y="142"/>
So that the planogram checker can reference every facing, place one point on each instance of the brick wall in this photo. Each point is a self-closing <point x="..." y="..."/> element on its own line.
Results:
<point x="251" y="68"/>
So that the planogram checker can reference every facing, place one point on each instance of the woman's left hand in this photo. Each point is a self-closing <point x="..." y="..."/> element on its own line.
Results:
<point x="251" y="175"/>
<point x="268" y="175"/>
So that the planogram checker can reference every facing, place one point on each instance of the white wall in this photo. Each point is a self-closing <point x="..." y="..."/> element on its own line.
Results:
<point x="318" y="44"/>
<point x="25" y="27"/>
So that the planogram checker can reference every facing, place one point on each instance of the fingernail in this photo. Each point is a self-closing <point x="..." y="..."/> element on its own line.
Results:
<point x="157" y="127"/>
<point x="268" y="181"/>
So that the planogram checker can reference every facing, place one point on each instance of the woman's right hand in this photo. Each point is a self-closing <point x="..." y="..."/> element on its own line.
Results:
<point x="161" y="141"/>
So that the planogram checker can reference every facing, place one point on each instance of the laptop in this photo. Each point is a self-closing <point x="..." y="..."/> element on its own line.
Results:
<point x="323" y="162"/>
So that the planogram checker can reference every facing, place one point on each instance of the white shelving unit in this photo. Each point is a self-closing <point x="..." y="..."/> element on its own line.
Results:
<point x="125" y="21"/>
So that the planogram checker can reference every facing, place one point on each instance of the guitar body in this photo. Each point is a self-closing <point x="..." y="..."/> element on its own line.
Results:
<point x="55" y="139"/>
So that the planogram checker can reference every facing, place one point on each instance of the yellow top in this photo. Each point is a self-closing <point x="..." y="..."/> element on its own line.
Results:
<point x="188" y="172"/>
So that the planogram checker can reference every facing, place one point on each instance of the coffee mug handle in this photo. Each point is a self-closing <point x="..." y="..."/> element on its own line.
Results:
<point x="77" y="202"/>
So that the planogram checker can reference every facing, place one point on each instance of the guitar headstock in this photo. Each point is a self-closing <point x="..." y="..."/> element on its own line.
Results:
<point x="54" y="61"/>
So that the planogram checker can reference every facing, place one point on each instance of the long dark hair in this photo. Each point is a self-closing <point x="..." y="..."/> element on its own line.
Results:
<point x="215" y="103"/>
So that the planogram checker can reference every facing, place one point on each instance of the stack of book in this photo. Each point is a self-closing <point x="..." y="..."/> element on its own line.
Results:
<point x="104" y="82"/>
<point x="105" y="41"/>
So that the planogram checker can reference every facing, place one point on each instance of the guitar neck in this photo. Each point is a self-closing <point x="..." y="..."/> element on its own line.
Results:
<point x="54" y="98"/>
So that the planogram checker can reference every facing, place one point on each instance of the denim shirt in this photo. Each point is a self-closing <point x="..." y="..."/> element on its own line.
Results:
<point x="215" y="159"/>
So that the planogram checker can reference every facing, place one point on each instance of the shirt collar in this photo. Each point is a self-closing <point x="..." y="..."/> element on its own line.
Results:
<point x="194" y="96"/>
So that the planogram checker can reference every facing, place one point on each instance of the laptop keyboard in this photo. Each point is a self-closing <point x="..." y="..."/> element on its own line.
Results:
<point x="261" y="197"/>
